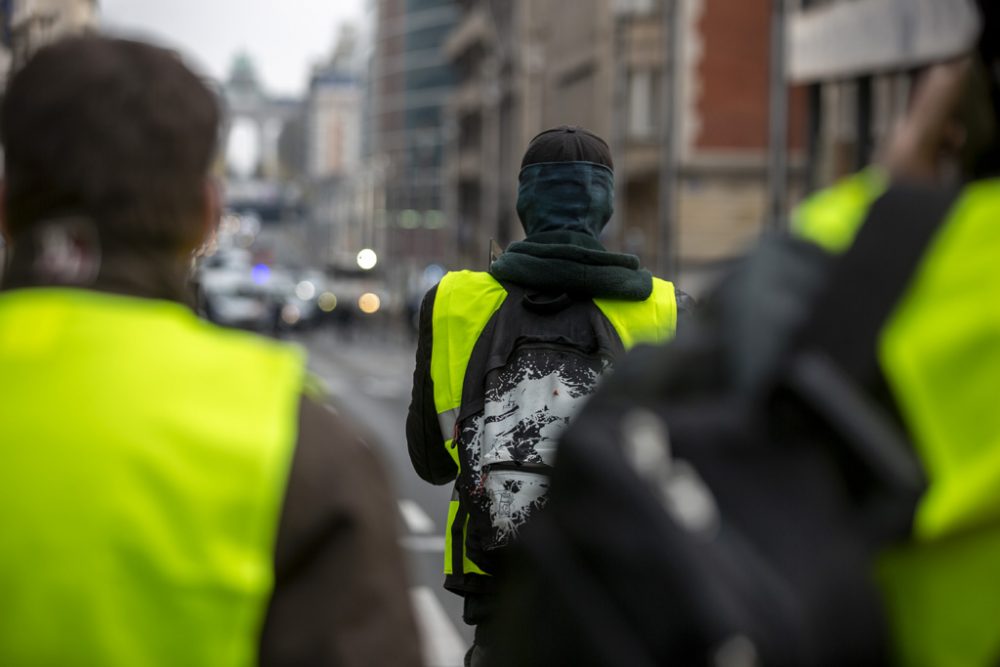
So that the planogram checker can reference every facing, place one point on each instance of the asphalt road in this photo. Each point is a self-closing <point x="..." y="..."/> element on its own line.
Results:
<point x="369" y="375"/>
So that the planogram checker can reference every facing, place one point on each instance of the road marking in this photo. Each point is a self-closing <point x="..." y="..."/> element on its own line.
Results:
<point x="416" y="518"/>
<point x="441" y="643"/>
<point x="330" y="378"/>
<point x="423" y="543"/>
<point x="378" y="387"/>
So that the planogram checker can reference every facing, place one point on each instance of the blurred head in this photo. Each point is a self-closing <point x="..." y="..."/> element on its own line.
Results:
<point x="115" y="132"/>
<point x="566" y="182"/>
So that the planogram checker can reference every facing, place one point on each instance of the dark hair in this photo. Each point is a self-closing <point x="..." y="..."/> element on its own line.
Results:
<point x="117" y="131"/>
<point x="567" y="143"/>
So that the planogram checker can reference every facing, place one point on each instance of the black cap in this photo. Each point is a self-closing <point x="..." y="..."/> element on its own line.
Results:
<point x="567" y="144"/>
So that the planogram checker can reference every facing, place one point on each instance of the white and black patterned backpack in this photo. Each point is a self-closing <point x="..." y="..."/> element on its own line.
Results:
<point x="538" y="359"/>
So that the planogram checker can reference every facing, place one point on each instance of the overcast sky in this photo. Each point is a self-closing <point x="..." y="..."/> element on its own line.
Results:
<point x="284" y="37"/>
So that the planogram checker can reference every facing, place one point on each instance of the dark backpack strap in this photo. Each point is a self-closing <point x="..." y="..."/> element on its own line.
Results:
<point x="871" y="277"/>
<point x="834" y="366"/>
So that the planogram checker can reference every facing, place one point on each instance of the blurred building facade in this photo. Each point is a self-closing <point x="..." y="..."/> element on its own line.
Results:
<point x="334" y="111"/>
<point x="262" y="136"/>
<point x="31" y="24"/>
<point x="411" y="81"/>
<point x="27" y="25"/>
<point x="525" y="65"/>
<point x="495" y="51"/>
<point x="860" y="60"/>
<point x="335" y="180"/>
<point x="261" y="116"/>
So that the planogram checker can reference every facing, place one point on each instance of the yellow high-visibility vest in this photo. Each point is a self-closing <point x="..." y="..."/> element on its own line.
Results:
<point x="940" y="354"/>
<point x="463" y="305"/>
<point x="145" y="458"/>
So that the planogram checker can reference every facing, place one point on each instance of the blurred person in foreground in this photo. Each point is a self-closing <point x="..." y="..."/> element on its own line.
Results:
<point x="828" y="492"/>
<point x="505" y="357"/>
<point x="940" y="355"/>
<point x="171" y="493"/>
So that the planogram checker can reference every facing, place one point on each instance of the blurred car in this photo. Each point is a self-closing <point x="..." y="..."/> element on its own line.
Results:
<point x="244" y="307"/>
<point x="356" y="298"/>
<point x="298" y="297"/>
<point x="233" y="293"/>
<point x="238" y="303"/>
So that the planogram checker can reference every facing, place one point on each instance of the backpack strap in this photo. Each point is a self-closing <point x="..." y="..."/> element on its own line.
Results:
<point x="871" y="277"/>
<point x="834" y="365"/>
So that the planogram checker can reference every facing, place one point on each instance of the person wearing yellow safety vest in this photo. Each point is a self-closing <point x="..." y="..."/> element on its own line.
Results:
<point x="171" y="493"/>
<point x="940" y="355"/>
<point x="505" y="357"/>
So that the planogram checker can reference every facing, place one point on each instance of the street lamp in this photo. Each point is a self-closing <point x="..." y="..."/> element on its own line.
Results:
<point x="367" y="259"/>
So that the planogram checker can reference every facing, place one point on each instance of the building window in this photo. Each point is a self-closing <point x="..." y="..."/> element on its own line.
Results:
<point x="641" y="105"/>
<point x="636" y="7"/>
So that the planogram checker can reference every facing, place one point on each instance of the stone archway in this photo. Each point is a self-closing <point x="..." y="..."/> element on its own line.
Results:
<point x="258" y="116"/>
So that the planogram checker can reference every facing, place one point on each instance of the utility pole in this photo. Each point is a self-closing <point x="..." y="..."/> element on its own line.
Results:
<point x="778" y="116"/>
<point x="668" y="251"/>
<point x="621" y="106"/>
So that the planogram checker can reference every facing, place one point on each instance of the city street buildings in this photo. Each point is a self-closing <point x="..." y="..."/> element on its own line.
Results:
<point x="411" y="82"/>
<point x="525" y="65"/>
<point x="261" y="165"/>
<point x="28" y="25"/>
<point x="335" y="182"/>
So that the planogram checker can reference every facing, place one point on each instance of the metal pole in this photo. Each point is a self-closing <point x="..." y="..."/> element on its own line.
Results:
<point x="863" y="122"/>
<point x="621" y="127"/>
<point x="815" y="129"/>
<point x="668" y="255"/>
<point x="778" y="145"/>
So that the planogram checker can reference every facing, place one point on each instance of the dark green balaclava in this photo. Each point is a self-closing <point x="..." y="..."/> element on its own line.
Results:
<point x="565" y="198"/>
<point x="566" y="183"/>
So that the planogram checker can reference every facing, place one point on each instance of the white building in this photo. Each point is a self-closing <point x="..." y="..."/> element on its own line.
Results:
<point x="334" y="113"/>
<point x="334" y="169"/>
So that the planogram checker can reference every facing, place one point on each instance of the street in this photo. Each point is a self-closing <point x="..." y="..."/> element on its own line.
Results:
<point x="370" y="379"/>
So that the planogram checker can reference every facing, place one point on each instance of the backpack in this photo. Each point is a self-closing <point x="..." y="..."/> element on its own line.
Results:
<point x="531" y="369"/>
<point x="721" y="499"/>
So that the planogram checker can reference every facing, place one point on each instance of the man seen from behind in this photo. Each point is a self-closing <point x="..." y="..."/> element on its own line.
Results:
<point x="170" y="494"/>
<point x="506" y="357"/>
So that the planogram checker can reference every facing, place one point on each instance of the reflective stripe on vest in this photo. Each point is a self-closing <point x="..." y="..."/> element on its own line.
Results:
<point x="146" y="455"/>
<point x="447" y="421"/>
<point x="463" y="305"/>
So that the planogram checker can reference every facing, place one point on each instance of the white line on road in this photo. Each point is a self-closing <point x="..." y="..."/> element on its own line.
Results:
<point x="331" y="382"/>
<point x="375" y="387"/>
<point x="416" y="518"/>
<point x="442" y="645"/>
<point x="423" y="543"/>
